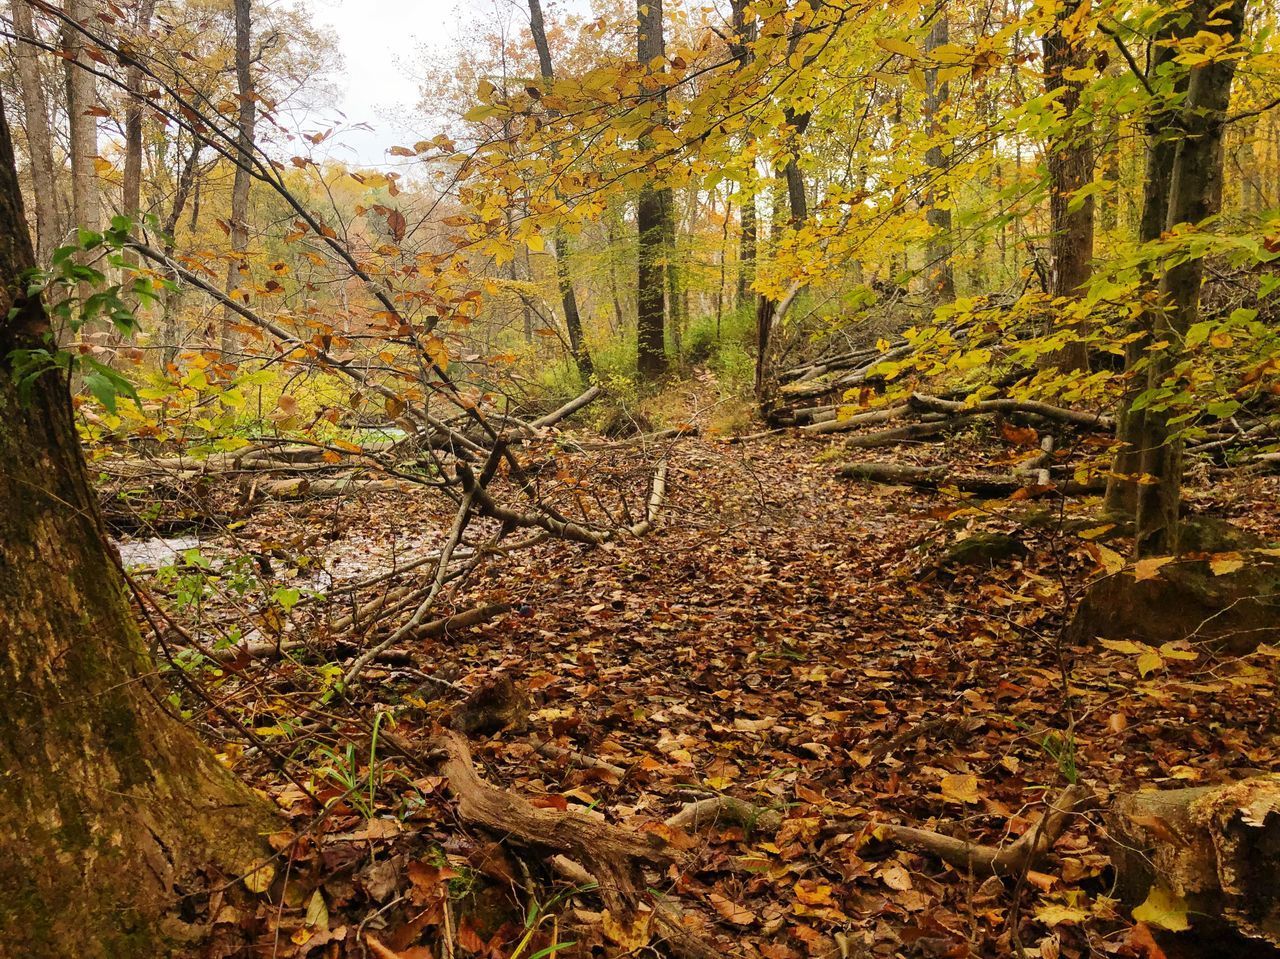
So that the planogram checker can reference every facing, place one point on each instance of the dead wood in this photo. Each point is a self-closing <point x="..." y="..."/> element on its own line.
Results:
<point x="575" y="404"/>
<point x="810" y="389"/>
<point x="935" y="404"/>
<point x="870" y="418"/>
<point x="941" y="477"/>
<point x="431" y="630"/>
<point x="983" y="860"/>
<point x="906" y="434"/>
<point x="576" y="758"/>
<point x="1211" y="850"/>
<point x="615" y="857"/>
<point x="725" y="810"/>
<point x="565" y="529"/>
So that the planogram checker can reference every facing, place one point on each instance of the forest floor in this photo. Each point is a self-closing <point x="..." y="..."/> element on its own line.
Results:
<point x="815" y="646"/>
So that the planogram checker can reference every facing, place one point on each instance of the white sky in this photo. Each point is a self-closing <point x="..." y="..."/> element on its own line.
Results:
<point x="384" y="46"/>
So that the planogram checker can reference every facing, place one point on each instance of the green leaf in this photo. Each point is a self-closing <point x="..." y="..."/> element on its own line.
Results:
<point x="287" y="597"/>
<point x="106" y="384"/>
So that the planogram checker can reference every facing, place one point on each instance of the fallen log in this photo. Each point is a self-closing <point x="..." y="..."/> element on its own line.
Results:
<point x="812" y="388"/>
<point x="941" y="477"/>
<point x="869" y="418"/>
<point x="935" y="404"/>
<point x="1203" y="855"/>
<point x="431" y="630"/>
<point x="568" y="409"/>
<point x="906" y="434"/>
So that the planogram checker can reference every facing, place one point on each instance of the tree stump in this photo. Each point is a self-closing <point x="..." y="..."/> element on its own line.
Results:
<point x="1203" y="857"/>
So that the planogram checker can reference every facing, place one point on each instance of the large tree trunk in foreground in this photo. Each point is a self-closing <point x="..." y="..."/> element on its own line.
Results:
<point x="1195" y="193"/>
<point x="107" y="803"/>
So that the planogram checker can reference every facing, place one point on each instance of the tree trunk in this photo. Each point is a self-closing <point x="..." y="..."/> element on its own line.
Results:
<point x="747" y="243"/>
<point x="671" y="268"/>
<point x="1070" y="163"/>
<point x="560" y="242"/>
<point x="82" y="101"/>
<point x="108" y="804"/>
<point x="743" y="34"/>
<point x="651" y="351"/>
<point x="169" y="333"/>
<point x="941" y="277"/>
<point x="1208" y="850"/>
<point x="131" y="194"/>
<point x="49" y="227"/>
<point x="1195" y="193"/>
<point x="1122" y="484"/>
<point x="245" y="120"/>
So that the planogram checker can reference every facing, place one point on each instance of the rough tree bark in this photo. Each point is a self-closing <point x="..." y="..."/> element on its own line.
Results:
<point x="743" y="35"/>
<point x="941" y="276"/>
<point x="131" y="192"/>
<point x="169" y="333"/>
<point x="245" y="119"/>
<point x="1070" y="163"/>
<point x="560" y="242"/>
<point x="651" y="348"/>
<point x="82" y="101"/>
<point x="108" y="804"/>
<point x="1195" y="193"/>
<point x="49" y="228"/>
<point x="1162" y="144"/>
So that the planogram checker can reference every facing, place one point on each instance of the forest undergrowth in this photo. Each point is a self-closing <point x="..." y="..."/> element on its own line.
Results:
<point x="840" y="656"/>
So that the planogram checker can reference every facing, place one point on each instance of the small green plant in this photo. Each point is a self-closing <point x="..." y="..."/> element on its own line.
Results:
<point x="71" y="272"/>
<point x="537" y="915"/>
<point x="1061" y="748"/>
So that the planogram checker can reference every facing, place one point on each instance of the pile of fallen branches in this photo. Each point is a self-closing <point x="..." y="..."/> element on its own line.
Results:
<point x="826" y="380"/>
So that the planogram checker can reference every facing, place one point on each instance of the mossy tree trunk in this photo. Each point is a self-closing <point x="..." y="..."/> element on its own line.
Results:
<point x="107" y="803"/>
<point x="1195" y="194"/>
<point x="1162" y="145"/>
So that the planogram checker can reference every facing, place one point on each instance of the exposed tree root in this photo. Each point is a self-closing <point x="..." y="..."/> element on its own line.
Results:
<point x="983" y="860"/>
<point x="614" y="857"/>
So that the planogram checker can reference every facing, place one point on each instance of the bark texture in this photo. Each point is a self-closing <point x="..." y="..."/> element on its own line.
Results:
<point x="49" y="227"/>
<point x="651" y="351"/>
<point x="82" y="100"/>
<point x="131" y="192"/>
<point x="245" y="120"/>
<point x="1195" y="193"/>
<point x="1122" y="486"/>
<point x="1070" y="163"/>
<point x="941" y="275"/>
<point x="560" y="242"/>
<point x="107" y="804"/>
